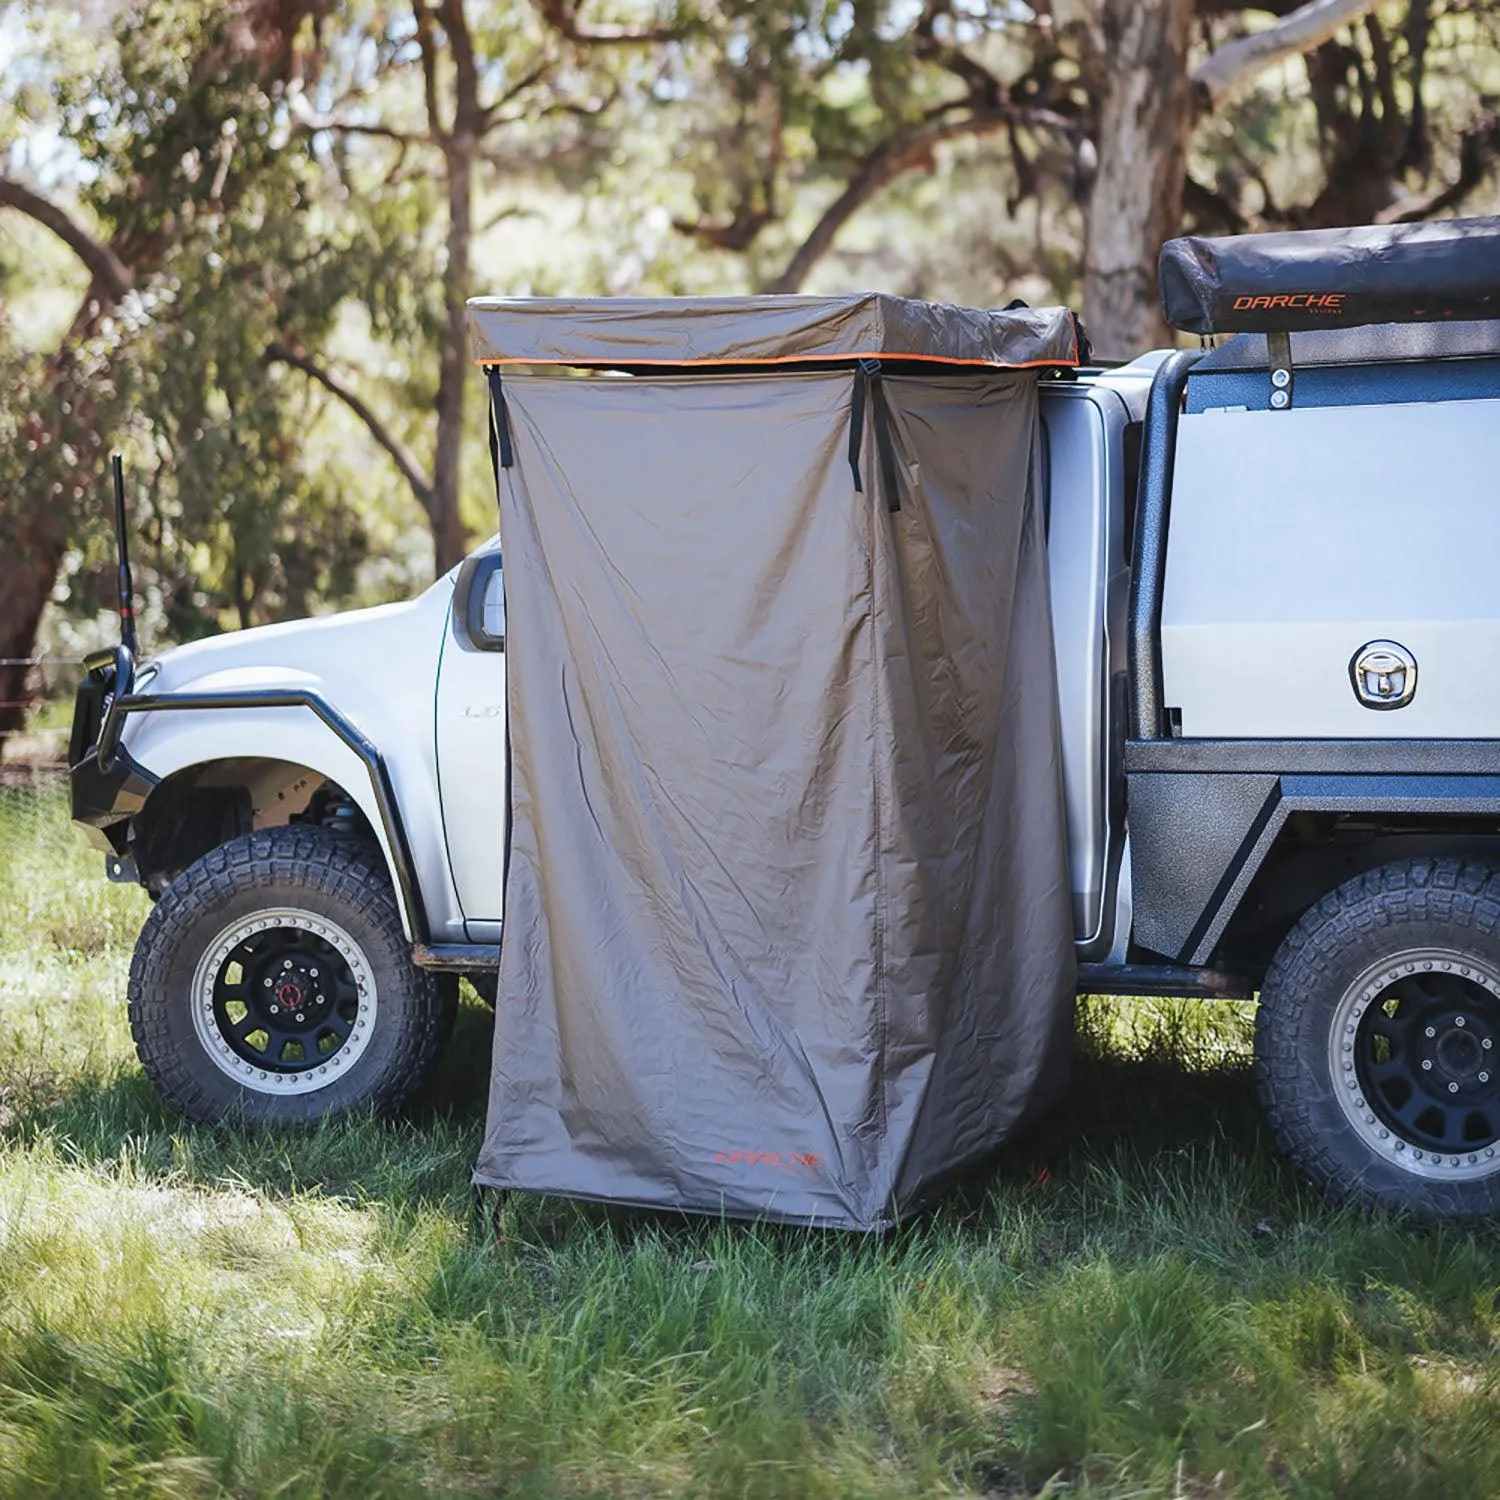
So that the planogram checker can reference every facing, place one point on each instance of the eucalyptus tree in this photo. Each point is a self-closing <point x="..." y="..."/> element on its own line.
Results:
<point x="237" y="181"/>
<point x="166" y="116"/>
<point x="434" y="106"/>
<point x="1129" y="119"/>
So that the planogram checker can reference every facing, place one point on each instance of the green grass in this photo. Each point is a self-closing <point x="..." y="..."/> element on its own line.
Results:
<point x="1138" y="1300"/>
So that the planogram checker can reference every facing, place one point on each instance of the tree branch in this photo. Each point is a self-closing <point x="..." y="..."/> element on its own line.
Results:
<point x="984" y="88"/>
<point x="309" y="119"/>
<point x="281" y="353"/>
<point x="1236" y="7"/>
<point x="755" y="202"/>
<point x="1416" y="149"/>
<point x="1385" y="76"/>
<point x="580" y="109"/>
<point x="737" y="233"/>
<point x="886" y="162"/>
<point x="562" y="17"/>
<point x="1300" y="31"/>
<point x="468" y="118"/>
<point x="427" y="46"/>
<point x="102" y="263"/>
<point x="1476" y="154"/>
<point x="491" y="116"/>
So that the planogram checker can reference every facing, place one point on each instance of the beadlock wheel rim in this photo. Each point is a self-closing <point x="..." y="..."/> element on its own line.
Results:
<point x="259" y="945"/>
<point x="1415" y="1055"/>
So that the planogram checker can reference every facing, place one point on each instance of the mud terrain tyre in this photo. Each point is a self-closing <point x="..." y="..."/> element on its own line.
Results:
<point x="272" y="985"/>
<point x="1378" y="1039"/>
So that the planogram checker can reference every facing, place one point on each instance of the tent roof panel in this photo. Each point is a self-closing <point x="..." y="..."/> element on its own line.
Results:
<point x="617" y="332"/>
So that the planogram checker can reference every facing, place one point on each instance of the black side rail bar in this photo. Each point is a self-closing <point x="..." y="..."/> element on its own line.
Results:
<point x="1149" y="546"/>
<point x="1164" y="979"/>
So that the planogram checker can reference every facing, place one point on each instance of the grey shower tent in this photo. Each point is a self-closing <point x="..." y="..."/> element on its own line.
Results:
<point x="787" y="926"/>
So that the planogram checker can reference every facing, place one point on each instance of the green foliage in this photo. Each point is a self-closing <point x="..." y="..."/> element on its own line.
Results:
<point x="183" y="151"/>
<point x="1138" y="1301"/>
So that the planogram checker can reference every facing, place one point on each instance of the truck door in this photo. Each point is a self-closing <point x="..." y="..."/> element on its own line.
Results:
<point x="471" y="742"/>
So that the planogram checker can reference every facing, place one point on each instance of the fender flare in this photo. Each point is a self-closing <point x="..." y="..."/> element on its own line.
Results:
<point x="376" y="796"/>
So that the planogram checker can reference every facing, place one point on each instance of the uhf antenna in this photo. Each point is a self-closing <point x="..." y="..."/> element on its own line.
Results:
<point x="126" y="587"/>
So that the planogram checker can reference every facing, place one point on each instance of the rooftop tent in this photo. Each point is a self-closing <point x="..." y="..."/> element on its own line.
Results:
<point x="1333" y="278"/>
<point x="787" y="923"/>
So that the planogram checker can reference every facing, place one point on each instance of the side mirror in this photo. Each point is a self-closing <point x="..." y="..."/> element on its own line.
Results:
<point x="479" y="602"/>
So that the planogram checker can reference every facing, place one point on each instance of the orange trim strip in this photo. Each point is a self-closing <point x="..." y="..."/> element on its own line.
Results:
<point x="799" y="359"/>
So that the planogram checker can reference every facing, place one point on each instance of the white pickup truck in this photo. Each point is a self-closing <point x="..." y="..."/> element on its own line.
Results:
<point x="1272" y="570"/>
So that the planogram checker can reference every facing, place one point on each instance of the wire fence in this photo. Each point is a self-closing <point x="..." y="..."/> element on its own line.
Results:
<point x="38" y="842"/>
<point x="40" y="743"/>
<point x="35" y="833"/>
<point x="33" y="770"/>
<point x="46" y="777"/>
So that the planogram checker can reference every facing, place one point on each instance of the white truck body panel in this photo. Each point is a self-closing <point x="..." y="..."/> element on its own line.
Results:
<point x="378" y="667"/>
<point x="1298" y="537"/>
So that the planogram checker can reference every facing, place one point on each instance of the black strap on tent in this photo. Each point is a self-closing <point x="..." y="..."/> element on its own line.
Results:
<point x="501" y="454"/>
<point x="869" y="388"/>
<point x="857" y="424"/>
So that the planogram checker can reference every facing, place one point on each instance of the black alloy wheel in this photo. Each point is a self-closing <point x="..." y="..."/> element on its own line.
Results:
<point x="1425" y="1054"/>
<point x="1377" y="1039"/>
<point x="284" y="994"/>
<point x="273" y="984"/>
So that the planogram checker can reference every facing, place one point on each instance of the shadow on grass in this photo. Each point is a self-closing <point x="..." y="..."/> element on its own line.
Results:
<point x="116" y="1123"/>
<point x="1151" y="1100"/>
<point x="1131" y="1119"/>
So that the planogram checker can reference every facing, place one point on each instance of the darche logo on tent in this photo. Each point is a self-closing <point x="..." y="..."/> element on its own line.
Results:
<point x="1318" y="302"/>
<point x="805" y="1161"/>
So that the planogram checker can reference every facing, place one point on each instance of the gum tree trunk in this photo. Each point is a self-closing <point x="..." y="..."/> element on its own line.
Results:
<point x="28" y="569"/>
<point x="37" y="516"/>
<point x="459" y="144"/>
<point x="1136" y="202"/>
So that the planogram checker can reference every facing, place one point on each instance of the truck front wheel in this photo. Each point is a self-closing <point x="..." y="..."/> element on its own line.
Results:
<point x="1378" y="1039"/>
<point x="272" y="984"/>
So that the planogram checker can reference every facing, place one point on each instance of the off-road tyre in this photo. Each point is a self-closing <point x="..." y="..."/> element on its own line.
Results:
<point x="332" y="892"/>
<point x="1374" y="1037"/>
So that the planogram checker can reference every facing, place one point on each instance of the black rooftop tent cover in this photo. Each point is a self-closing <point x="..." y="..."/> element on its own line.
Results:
<point x="787" y="924"/>
<point x="1332" y="278"/>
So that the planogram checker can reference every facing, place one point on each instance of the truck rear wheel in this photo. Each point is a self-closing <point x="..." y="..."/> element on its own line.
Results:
<point x="272" y="983"/>
<point x="1378" y="1039"/>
